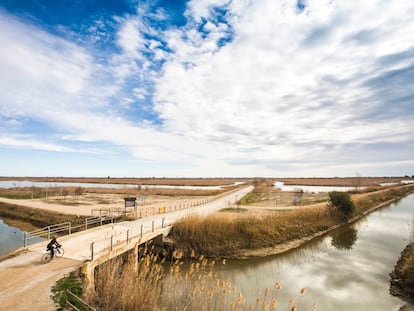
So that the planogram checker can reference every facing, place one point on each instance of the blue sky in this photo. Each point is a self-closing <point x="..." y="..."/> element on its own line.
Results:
<point x="206" y="88"/>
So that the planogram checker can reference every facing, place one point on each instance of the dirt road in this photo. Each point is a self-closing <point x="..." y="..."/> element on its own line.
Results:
<point x="25" y="283"/>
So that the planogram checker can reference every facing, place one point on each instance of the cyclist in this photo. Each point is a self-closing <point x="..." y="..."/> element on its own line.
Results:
<point x="52" y="245"/>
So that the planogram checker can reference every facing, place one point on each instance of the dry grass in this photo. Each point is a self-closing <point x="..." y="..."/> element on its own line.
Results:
<point x="36" y="217"/>
<point x="155" y="286"/>
<point x="219" y="235"/>
<point x="228" y="235"/>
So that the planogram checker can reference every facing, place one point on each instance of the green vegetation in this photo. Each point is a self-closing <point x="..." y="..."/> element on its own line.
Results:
<point x="341" y="202"/>
<point x="71" y="282"/>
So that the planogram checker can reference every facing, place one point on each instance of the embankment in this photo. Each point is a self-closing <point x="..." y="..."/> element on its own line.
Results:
<point x="241" y="236"/>
<point x="402" y="278"/>
<point x="37" y="217"/>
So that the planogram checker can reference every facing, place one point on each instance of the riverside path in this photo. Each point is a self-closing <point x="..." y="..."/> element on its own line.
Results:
<point x="25" y="283"/>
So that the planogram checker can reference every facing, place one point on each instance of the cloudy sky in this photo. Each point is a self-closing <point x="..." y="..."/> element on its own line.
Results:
<point x="206" y="88"/>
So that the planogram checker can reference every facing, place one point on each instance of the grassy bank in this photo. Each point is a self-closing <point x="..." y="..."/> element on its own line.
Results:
<point x="231" y="235"/>
<point x="36" y="217"/>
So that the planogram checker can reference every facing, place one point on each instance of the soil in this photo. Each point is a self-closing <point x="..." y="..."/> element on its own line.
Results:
<point x="32" y="296"/>
<point x="402" y="278"/>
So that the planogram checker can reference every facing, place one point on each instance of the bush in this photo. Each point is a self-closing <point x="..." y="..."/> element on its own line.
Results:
<point x="342" y="203"/>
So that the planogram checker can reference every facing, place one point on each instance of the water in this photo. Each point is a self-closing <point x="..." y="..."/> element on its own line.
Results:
<point x="314" y="189"/>
<point x="26" y="183"/>
<point x="345" y="270"/>
<point x="11" y="238"/>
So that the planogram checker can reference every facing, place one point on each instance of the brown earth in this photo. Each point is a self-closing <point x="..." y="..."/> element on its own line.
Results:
<point x="32" y="296"/>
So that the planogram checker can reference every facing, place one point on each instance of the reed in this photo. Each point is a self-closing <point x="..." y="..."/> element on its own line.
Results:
<point x="227" y="235"/>
<point x="224" y="235"/>
<point x="159" y="286"/>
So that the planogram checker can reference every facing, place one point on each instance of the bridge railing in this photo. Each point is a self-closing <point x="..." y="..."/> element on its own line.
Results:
<point x="126" y="239"/>
<point x="64" y="228"/>
<point x="76" y="303"/>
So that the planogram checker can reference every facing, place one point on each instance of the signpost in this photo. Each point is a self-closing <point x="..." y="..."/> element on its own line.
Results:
<point x="130" y="202"/>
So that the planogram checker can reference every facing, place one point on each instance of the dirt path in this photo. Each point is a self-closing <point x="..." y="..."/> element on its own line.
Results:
<point x="25" y="283"/>
<point x="86" y="210"/>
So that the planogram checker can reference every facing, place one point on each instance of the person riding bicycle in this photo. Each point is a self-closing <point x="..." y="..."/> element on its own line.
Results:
<point x="52" y="245"/>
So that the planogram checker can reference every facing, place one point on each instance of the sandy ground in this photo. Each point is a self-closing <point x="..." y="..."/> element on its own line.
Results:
<point x="19" y="290"/>
<point x="88" y="207"/>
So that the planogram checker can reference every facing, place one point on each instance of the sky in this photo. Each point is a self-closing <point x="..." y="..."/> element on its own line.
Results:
<point x="206" y="88"/>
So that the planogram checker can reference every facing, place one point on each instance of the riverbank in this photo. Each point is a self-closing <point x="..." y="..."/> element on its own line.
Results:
<point x="402" y="278"/>
<point x="241" y="236"/>
<point x="36" y="217"/>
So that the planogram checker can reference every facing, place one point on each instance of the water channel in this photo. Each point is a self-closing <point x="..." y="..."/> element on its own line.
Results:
<point x="347" y="269"/>
<point x="45" y="184"/>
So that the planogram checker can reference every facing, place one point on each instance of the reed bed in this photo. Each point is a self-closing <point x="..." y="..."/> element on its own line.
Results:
<point x="229" y="235"/>
<point x="159" y="286"/>
<point x="226" y="235"/>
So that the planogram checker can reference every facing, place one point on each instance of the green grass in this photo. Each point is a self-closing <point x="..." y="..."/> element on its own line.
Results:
<point x="71" y="282"/>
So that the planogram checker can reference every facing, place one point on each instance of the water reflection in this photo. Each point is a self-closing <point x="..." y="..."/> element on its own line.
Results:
<point x="354" y="279"/>
<point x="344" y="239"/>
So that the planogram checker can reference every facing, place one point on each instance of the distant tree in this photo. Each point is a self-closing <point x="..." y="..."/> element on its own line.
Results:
<point x="341" y="202"/>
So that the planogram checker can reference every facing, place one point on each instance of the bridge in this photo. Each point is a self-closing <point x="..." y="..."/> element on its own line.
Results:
<point x="26" y="283"/>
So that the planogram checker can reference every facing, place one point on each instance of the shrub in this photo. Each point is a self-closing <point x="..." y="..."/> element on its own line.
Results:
<point x="342" y="203"/>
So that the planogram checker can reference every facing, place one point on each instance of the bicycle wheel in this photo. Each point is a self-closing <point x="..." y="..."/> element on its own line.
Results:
<point x="59" y="252"/>
<point x="45" y="258"/>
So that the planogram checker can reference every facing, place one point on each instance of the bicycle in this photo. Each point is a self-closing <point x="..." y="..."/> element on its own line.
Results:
<point x="58" y="252"/>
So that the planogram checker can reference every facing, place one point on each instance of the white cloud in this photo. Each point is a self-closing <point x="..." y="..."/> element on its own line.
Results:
<point x="262" y="89"/>
<point x="289" y="78"/>
<point x="27" y="143"/>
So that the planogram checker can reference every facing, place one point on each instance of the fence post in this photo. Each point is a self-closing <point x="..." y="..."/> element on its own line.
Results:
<point x="25" y="239"/>
<point x="112" y="242"/>
<point x="86" y="224"/>
<point x="70" y="228"/>
<point x="128" y="236"/>
<point x="48" y="232"/>
<point x="153" y="226"/>
<point x="162" y="223"/>
<point x="92" y="250"/>
<point x="141" y="230"/>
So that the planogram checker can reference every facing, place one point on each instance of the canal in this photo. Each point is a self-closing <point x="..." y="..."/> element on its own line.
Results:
<point x="345" y="270"/>
<point x="11" y="237"/>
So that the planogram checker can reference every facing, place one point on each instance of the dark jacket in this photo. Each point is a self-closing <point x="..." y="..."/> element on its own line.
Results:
<point x="52" y="244"/>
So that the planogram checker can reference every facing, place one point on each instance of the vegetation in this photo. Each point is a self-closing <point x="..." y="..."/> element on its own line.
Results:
<point x="156" y="286"/>
<point x="341" y="203"/>
<point x="71" y="282"/>
<point x="402" y="278"/>
<point x="233" y="234"/>
<point x="37" y="217"/>
<point x="225" y="236"/>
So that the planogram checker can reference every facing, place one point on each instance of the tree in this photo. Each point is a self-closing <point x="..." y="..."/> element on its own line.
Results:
<point x="341" y="202"/>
